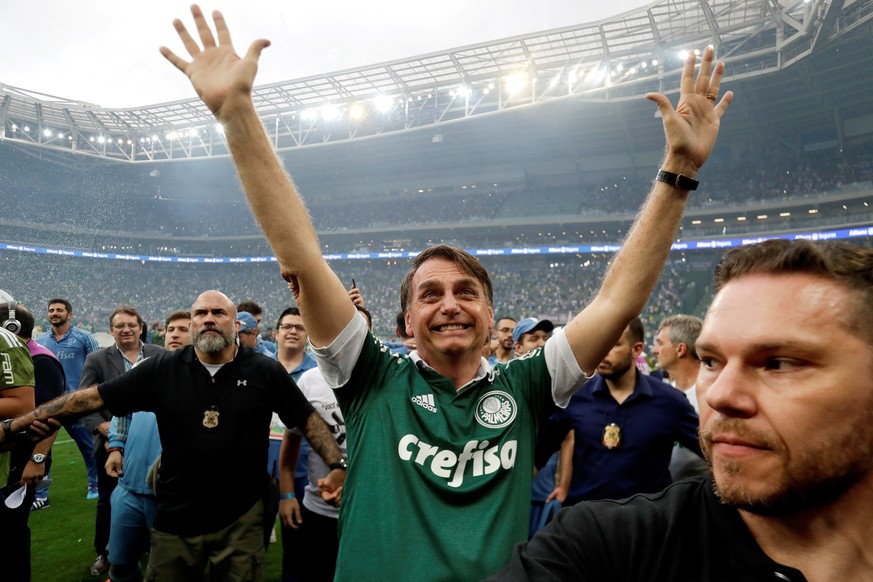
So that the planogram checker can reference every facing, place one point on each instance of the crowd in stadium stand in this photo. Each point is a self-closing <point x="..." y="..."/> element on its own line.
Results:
<point x="549" y="287"/>
<point x="114" y="202"/>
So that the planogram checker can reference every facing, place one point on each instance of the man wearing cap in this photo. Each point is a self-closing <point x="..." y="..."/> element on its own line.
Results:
<point x="531" y="333"/>
<point x="248" y="332"/>
<point x="253" y="309"/>
<point x="625" y="425"/>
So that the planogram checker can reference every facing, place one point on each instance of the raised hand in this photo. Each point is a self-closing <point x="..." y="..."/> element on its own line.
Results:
<point x="217" y="73"/>
<point x="692" y="127"/>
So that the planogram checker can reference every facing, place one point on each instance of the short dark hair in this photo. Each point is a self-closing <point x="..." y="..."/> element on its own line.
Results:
<point x="129" y="310"/>
<point x="287" y="311"/>
<point x="180" y="314"/>
<point x="636" y="331"/>
<point x="849" y="265"/>
<point x="67" y="305"/>
<point x="249" y="306"/>
<point x="467" y="262"/>
<point x="22" y="315"/>
<point x="509" y="317"/>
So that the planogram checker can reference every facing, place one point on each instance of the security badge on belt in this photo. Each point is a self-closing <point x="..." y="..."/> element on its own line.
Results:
<point x="611" y="436"/>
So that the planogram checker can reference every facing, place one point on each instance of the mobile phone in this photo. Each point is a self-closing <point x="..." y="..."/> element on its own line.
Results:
<point x="353" y="283"/>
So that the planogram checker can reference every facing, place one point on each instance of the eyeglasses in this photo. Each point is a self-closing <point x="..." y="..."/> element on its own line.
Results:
<point x="120" y="326"/>
<point x="290" y="326"/>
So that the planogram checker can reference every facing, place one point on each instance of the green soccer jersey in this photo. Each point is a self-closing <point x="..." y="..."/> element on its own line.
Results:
<point x="439" y="480"/>
<point x="16" y="369"/>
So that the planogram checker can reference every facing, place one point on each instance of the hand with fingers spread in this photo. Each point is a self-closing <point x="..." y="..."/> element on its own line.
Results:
<point x="217" y="73"/>
<point x="692" y="127"/>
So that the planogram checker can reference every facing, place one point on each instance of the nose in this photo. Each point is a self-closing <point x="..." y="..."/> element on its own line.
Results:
<point x="449" y="305"/>
<point x="730" y="390"/>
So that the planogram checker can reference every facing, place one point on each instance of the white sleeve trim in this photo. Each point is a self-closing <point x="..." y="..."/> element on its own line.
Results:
<point x="567" y="376"/>
<point x="337" y="360"/>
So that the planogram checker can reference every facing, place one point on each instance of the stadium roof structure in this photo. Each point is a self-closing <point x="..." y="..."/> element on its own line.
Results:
<point x="616" y="60"/>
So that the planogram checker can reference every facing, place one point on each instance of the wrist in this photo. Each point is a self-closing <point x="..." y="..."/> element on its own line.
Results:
<point x="680" y="165"/>
<point x="119" y="450"/>
<point x="286" y="496"/>
<point x="678" y="181"/>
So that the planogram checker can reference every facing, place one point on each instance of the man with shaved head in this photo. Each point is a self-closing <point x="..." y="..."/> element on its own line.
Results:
<point x="213" y="402"/>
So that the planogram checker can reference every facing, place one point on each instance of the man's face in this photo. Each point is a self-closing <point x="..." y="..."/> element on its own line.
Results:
<point x="292" y="334"/>
<point x="125" y="329"/>
<point x="449" y="314"/>
<point x="503" y="333"/>
<point x="58" y="314"/>
<point x="213" y="322"/>
<point x="248" y="339"/>
<point x="620" y="358"/>
<point x="786" y="393"/>
<point x="531" y="341"/>
<point x="664" y="349"/>
<point x="178" y="334"/>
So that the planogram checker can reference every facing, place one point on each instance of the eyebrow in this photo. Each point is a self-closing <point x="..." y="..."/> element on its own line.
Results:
<point x="796" y="345"/>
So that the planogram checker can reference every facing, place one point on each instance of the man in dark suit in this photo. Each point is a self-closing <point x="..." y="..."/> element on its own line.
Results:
<point x="125" y="325"/>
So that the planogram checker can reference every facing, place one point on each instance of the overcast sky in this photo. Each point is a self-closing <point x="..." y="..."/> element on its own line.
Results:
<point x="106" y="51"/>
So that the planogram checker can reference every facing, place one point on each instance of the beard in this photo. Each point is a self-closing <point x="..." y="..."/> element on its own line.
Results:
<point x="617" y="370"/>
<point x="816" y="475"/>
<point x="210" y="343"/>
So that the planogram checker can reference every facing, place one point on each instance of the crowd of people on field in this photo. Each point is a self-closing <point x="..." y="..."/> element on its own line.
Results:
<point x="431" y="453"/>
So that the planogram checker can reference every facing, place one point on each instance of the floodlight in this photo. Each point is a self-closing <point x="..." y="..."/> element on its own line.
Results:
<point x="356" y="111"/>
<point x="329" y="112"/>
<point x="384" y="103"/>
<point x="514" y="83"/>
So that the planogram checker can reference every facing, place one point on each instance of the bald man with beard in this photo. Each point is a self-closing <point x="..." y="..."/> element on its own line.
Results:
<point x="213" y="402"/>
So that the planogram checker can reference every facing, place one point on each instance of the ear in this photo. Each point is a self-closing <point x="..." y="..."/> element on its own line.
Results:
<point x="236" y="325"/>
<point x="681" y="349"/>
<point x="637" y="349"/>
<point x="407" y="318"/>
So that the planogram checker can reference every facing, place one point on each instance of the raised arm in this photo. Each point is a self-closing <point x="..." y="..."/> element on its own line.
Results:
<point x="691" y="130"/>
<point x="224" y="82"/>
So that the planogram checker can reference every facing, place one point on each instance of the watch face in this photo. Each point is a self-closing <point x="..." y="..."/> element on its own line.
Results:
<point x="38" y="458"/>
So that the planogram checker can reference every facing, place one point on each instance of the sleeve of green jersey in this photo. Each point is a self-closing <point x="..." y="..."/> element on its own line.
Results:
<point x="17" y="367"/>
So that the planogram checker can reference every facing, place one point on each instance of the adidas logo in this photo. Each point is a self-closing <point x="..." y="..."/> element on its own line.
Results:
<point x="425" y="401"/>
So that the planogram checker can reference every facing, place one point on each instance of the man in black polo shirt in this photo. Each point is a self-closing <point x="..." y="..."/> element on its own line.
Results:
<point x="213" y="403"/>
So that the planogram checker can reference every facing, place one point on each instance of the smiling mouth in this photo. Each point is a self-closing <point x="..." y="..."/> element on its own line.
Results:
<point x="451" y="327"/>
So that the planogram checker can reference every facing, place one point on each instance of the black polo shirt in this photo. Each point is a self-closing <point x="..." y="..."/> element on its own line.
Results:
<point x="681" y="534"/>
<point x="214" y="431"/>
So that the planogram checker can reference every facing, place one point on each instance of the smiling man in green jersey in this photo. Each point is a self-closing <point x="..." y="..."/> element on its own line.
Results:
<point x="440" y="444"/>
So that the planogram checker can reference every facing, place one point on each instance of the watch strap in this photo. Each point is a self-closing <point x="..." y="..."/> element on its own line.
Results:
<point x="341" y="464"/>
<point x="677" y="180"/>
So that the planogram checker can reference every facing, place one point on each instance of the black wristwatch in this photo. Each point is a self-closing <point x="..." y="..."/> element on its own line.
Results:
<point x="7" y="426"/>
<point x="341" y="464"/>
<point x="677" y="180"/>
<point x="38" y="458"/>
